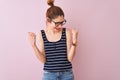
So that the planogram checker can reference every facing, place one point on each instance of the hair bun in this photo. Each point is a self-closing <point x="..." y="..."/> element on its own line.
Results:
<point x="50" y="2"/>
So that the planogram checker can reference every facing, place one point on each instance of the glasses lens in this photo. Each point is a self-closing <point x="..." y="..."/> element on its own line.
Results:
<point x="63" y="22"/>
<point x="59" y="23"/>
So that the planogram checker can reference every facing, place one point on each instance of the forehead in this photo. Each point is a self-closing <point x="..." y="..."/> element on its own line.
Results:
<point x="59" y="19"/>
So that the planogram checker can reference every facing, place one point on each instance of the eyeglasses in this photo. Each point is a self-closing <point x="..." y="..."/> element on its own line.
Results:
<point x="59" y="23"/>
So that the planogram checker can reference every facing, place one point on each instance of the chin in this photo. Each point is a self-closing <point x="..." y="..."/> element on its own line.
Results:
<point x="58" y="29"/>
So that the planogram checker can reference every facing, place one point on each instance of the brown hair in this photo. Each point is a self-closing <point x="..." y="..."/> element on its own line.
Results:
<point x="54" y="11"/>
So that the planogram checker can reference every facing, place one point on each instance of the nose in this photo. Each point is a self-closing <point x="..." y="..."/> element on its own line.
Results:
<point x="59" y="26"/>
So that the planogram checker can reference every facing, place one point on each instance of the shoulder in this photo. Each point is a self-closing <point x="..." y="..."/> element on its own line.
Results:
<point x="40" y="41"/>
<point x="68" y="30"/>
<point x="39" y="36"/>
<point x="68" y="33"/>
<point x="71" y="30"/>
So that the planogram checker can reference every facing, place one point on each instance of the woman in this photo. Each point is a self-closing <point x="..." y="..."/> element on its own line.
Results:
<point x="57" y="45"/>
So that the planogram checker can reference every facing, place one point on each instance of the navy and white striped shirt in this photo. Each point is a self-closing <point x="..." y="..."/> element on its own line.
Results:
<point x="56" y="53"/>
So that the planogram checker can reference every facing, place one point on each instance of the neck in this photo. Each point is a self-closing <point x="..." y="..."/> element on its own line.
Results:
<point x="50" y="30"/>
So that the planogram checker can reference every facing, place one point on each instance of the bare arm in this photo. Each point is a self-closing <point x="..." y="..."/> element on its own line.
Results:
<point x="71" y="43"/>
<point x="39" y="52"/>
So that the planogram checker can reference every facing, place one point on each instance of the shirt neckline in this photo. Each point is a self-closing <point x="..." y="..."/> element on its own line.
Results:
<point x="53" y="41"/>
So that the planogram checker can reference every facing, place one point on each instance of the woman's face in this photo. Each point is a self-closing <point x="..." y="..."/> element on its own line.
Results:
<point x="57" y="23"/>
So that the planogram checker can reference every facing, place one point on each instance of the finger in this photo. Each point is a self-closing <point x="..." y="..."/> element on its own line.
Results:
<point x="30" y="33"/>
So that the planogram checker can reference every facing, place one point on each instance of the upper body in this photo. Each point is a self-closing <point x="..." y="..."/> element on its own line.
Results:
<point x="53" y="33"/>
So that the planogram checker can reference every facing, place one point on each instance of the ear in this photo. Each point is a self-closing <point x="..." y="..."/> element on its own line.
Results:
<point x="48" y="19"/>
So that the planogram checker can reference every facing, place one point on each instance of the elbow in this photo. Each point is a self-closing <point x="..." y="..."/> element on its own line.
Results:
<point x="70" y="59"/>
<point x="43" y="62"/>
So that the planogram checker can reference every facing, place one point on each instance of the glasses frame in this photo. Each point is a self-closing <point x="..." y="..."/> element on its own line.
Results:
<point x="59" y="23"/>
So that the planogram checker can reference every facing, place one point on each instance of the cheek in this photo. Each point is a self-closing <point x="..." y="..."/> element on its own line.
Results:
<point x="52" y="25"/>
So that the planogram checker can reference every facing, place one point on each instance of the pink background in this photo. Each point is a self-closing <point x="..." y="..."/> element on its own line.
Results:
<point x="98" y="52"/>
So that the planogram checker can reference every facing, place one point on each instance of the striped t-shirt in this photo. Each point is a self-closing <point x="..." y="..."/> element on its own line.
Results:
<point x="56" y="53"/>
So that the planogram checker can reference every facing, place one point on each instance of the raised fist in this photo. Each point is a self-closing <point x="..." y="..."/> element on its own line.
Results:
<point x="32" y="38"/>
<point x="74" y="36"/>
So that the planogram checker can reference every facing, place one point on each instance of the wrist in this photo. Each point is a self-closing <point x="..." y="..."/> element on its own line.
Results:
<point x="74" y="44"/>
<point x="33" y="45"/>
